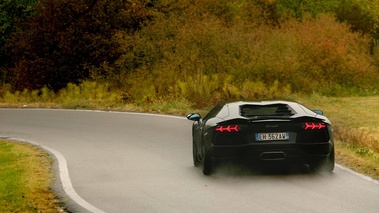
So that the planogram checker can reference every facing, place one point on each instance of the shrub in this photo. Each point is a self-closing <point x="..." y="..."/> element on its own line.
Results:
<point x="207" y="60"/>
<point x="88" y="94"/>
<point x="331" y="56"/>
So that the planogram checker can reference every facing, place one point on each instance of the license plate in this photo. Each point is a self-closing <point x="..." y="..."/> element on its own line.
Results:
<point x="274" y="136"/>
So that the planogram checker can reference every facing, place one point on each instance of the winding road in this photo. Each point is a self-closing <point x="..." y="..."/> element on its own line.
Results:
<point x="131" y="162"/>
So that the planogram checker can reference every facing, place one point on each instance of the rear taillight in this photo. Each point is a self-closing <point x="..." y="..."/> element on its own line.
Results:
<point x="310" y="126"/>
<point x="227" y="128"/>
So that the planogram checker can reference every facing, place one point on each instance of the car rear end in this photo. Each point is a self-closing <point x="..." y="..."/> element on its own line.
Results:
<point x="274" y="132"/>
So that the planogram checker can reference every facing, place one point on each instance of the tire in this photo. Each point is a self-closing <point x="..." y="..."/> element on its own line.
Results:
<point x="329" y="164"/>
<point x="195" y="155"/>
<point x="326" y="165"/>
<point x="207" y="164"/>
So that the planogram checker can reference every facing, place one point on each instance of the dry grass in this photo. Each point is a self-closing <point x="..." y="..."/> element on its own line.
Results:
<point x="361" y="160"/>
<point x="26" y="177"/>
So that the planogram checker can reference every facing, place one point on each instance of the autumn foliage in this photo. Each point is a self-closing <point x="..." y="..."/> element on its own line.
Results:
<point x="201" y="51"/>
<point x="64" y="39"/>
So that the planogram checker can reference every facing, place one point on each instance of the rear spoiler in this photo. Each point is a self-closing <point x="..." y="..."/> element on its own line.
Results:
<point x="271" y="118"/>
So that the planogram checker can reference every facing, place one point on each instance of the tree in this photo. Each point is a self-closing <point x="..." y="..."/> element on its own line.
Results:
<point x="65" y="38"/>
<point x="362" y="15"/>
<point x="11" y="13"/>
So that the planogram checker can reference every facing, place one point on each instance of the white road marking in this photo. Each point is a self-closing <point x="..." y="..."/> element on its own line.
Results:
<point x="357" y="174"/>
<point x="67" y="185"/>
<point x="65" y="177"/>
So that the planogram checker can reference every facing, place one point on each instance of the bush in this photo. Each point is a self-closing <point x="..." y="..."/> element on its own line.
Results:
<point x="88" y="94"/>
<point x="203" y="52"/>
<point x="204" y="61"/>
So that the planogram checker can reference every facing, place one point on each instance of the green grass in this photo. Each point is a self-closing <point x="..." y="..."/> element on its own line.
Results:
<point x="358" y="158"/>
<point x="25" y="174"/>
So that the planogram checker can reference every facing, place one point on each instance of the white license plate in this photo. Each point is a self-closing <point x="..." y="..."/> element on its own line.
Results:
<point x="274" y="136"/>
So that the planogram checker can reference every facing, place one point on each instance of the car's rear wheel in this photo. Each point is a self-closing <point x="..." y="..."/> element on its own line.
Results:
<point x="325" y="165"/>
<point x="207" y="163"/>
<point x="329" y="165"/>
<point x="196" y="158"/>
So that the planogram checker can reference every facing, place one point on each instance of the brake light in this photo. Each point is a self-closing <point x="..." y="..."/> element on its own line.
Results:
<point x="309" y="126"/>
<point x="229" y="128"/>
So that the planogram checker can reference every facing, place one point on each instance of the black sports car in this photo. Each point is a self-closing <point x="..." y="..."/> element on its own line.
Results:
<point x="258" y="132"/>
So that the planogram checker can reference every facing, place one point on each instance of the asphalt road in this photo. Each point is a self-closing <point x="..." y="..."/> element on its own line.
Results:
<point x="122" y="162"/>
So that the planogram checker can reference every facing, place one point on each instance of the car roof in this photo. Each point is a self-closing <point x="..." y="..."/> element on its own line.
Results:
<point x="233" y="108"/>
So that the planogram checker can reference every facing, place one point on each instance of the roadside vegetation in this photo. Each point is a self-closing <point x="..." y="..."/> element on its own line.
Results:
<point x="176" y="56"/>
<point x="356" y="130"/>
<point x="25" y="174"/>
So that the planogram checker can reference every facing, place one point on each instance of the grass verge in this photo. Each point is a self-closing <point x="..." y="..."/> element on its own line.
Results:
<point x="25" y="174"/>
<point x="360" y="159"/>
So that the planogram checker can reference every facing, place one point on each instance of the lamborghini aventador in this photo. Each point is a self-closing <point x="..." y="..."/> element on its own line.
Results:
<point x="265" y="131"/>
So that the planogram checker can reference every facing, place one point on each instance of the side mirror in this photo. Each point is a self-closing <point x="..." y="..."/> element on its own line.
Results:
<point x="319" y="112"/>
<point x="194" y="116"/>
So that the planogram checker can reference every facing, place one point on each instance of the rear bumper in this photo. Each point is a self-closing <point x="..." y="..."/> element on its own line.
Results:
<point x="289" y="152"/>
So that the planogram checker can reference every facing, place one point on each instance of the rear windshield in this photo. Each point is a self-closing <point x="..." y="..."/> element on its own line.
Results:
<point x="266" y="110"/>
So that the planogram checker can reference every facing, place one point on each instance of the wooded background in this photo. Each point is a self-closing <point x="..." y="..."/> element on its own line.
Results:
<point x="202" y="51"/>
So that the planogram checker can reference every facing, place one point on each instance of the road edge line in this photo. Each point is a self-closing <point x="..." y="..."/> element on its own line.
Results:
<point x="357" y="174"/>
<point x="64" y="177"/>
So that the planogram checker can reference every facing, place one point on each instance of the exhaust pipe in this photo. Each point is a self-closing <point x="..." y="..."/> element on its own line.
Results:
<point x="273" y="156"/>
